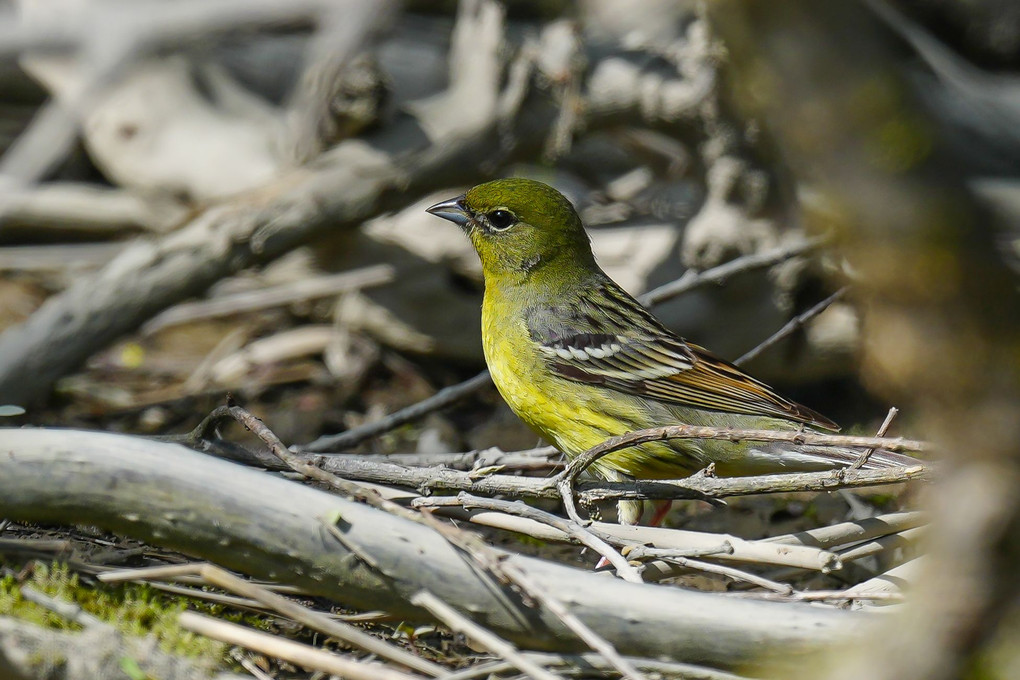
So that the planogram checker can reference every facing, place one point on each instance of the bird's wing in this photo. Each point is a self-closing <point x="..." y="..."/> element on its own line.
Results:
<point x="610" y="340"/>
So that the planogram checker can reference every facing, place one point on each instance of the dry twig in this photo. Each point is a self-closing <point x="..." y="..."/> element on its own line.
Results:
<point x="267" y="526"/>
<point x="882" y="429"/>
<point x="484" y="637"/>
<point x="439" y="400"/>
<point x="573" y="530"/>
<point x="564" y="481"/>
<point x="691" y="280"/>
<point x="600" y="645"/>
<point x="791" y="326"/>
<point x="353" y="636"/>
<point x="288" y="650"/>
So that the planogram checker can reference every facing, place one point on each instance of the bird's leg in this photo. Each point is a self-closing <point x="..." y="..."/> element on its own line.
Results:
<point x="662" y="509"/>
<point x="626" y="513"/>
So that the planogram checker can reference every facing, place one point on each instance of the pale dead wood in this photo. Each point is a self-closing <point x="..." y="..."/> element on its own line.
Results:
<point x="721" y="546"/>
<point x="694" y="488"/>
<point x="667" y="669"/>
<point x="34" y="546"/>
<point x="590" y="637"/>
<point x="269" y="526"/>
<point x="112" y="37"/>
<point x="288" y="650"/>
<point x="669" y="566"/>
<point x="215" y="576"/>
<point x="717" y="275"/>
<point x="258" y="226"/>
<point x="572" y="530"/>
<point x="241" y="603"/>
<point x="856" y="531"/>
<point x="273" y="296"/>
<point x="58" y="258"/>
<point x="85" y="208"/>
<point x="565" y="480"/>
<point x="838" y="597"/>
<point x="909" y="538"/>
<point x="896" y="580"/>
<point x="480" y="635"/>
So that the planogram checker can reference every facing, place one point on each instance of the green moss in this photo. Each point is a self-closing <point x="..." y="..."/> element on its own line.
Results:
<point x="134" y="609"/>
<point x="525" y="539"/>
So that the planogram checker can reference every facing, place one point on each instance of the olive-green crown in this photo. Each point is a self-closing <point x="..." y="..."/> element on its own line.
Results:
<point x="532" y="202"/>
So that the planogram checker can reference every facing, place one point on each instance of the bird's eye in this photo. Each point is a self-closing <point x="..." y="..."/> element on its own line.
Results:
<point x="501" y="219"/>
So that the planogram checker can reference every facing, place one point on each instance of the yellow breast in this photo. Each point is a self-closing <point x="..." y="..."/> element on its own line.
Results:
<point x="572" y="416"/>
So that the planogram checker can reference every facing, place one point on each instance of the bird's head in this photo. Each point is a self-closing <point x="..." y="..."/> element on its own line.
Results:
<point x="519" y="227"/>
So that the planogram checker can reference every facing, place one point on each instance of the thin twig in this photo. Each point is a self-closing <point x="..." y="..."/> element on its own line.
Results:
<point x="684" y="563"/>
<point x="34" y="546"/>
<point x="791" y="326"/>
<point x="288" y="650"/>
<point x="818" y="596"/>
<point x="439" y="400"/>
<point x="644" y="552"/>
<point x="573" y="530"/>
<point x="676" y="541"/>
<point x="590" y="637"/>
<point x="221" y="578"/>
<point x="242" y="603"/>
<point x="904" y="539"/>
<point x="271" y="296"/>
<point x="590" y="663"/>
<point x="486" y="638"/>
<point x="433" y="479"/>
<point x="564" y="481"/>
<point x="724" y="271"/>
<point x="882" y="429"/>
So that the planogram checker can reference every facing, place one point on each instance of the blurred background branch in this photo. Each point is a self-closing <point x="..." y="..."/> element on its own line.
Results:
<point x="203" y="196"/>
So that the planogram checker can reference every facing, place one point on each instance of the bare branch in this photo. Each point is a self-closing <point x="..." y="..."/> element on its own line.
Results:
<point x="691" y="280"/>
<point x="791" y="326"/>
<point x="267" y="526"/>
<point x="221" y="578"/>
<point x="486" y="638"/>
<point x="571" y="529"/>
<point x="288" y="650"/>
<point x="439" y="400"/>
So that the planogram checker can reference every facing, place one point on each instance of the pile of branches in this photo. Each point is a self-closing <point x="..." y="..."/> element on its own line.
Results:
<point x="259" y="182"/>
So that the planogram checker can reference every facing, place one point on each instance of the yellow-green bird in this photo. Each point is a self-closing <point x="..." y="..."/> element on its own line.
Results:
<point x="579" y="360"/>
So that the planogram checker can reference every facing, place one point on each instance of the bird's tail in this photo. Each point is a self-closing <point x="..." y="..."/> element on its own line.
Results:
<point x="878" y="459"/>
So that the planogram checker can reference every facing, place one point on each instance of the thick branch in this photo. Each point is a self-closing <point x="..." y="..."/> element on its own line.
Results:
<point x="345" y="186"/>
<point x="269" y="527"/>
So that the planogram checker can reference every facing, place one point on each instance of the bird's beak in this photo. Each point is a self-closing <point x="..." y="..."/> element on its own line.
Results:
<point x="453" y="210"/>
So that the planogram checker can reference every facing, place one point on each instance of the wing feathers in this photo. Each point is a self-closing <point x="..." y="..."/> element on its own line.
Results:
<point x="617" y="343"/>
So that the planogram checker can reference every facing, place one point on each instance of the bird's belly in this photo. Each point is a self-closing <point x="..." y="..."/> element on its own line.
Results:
<point x="575" y="417"/>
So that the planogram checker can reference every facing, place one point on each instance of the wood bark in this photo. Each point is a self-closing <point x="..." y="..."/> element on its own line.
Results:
<point x="265" y="526"/>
